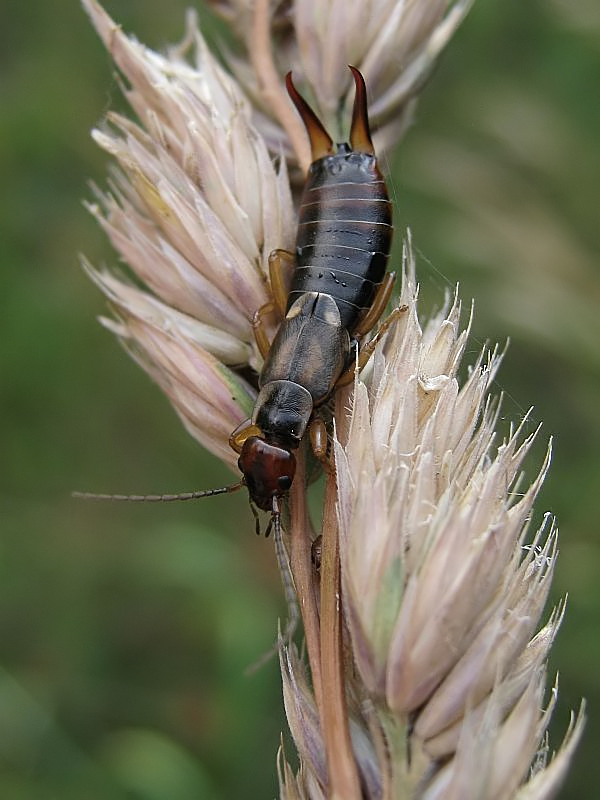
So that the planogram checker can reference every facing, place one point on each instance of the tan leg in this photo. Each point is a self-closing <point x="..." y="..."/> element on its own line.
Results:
<point x="367" y="351"/>
<point x="258" y="326"/>
<point x="281" y="264"/>
<point x="380" y="301"/>
<point x="317" y="432"/>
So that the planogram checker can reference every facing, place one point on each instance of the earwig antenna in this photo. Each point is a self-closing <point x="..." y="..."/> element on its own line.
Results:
<point x="288" y="591"/>
<point x="286" y="576"/>
<point x="159" y="498"/>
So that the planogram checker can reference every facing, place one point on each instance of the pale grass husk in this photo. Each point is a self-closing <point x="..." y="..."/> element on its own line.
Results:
<point x="442" y="583"/>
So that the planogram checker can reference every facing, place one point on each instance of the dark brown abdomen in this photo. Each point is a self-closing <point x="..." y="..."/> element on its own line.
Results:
<point x="344" y="233"/>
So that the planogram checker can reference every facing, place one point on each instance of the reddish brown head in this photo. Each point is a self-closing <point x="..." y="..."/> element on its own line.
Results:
<point x="268" y="471"/>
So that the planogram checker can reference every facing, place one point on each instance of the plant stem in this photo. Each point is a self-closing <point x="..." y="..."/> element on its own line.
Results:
<point x="343" y="776"/>
<point x="270" y="84"/>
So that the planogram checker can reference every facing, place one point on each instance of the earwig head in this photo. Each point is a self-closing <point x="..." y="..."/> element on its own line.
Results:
<point x="268" y="471"/>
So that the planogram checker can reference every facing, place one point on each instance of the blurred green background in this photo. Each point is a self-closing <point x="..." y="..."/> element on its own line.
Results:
<point x="125" y="631"/>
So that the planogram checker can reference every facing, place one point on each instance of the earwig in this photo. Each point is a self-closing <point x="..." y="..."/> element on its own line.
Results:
<point x="339" y="290"/>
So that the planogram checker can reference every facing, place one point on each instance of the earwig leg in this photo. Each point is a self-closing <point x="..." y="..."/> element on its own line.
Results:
<point x="281" y="263"/>
<point x="381" y="300"/>
<point x="260" y="335"/>
<point x="369" y="348"/>
<point x="317" y="432"/>
<point x="256" y="518"/>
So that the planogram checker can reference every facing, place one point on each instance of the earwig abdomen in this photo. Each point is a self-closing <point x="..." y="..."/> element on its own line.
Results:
<point x="344" y="233"/>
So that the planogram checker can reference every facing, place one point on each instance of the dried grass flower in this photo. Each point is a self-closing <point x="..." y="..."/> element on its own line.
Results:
<point x="425" y="664"/>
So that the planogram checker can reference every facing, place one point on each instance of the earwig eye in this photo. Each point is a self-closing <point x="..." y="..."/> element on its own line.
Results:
<point x="284" y="482"/>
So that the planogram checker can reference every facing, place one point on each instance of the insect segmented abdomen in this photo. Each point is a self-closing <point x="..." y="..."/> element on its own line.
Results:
<point x="344" y="232"/>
